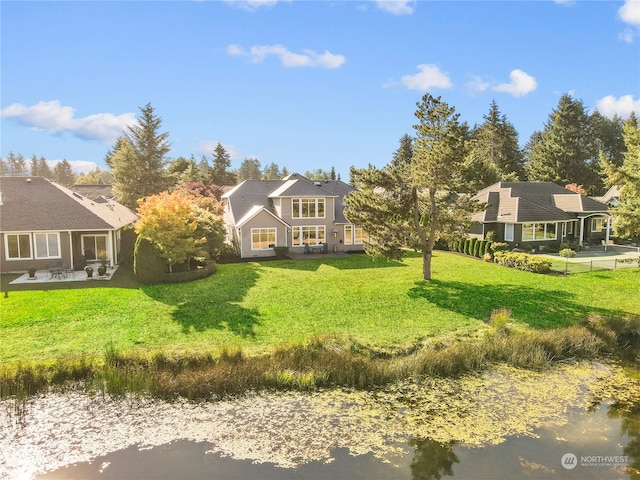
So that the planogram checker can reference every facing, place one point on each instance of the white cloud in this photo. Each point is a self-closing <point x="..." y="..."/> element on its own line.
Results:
<point x="630" y="12"/>
<point x="288" y="59"/>
<point x="251" y="5"/>
<point x="627" y="35"/>
<point x="56" y="118"/>
<point x="396" y="7"/>
<point x="429" y="77"/>
<point x="622" y="107"/>
<point x="476" y="84"/>
<point x="78" y="166"/>
<point x="521" y="84"/>
<point x="566" y="3"/>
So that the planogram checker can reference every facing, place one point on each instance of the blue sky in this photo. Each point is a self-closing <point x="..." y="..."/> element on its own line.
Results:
<point x="304" y="84"/>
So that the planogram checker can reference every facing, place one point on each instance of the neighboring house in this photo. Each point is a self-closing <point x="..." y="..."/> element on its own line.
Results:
<point x="97" y="192"/>
<point x="43" y="224"/>
<point x="611" y="196"/>
<point x="531" y="214"/>
<point x="295" y="212"/>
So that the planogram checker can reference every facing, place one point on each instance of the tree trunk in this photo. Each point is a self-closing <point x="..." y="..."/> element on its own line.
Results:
<point x="426" y="264"/>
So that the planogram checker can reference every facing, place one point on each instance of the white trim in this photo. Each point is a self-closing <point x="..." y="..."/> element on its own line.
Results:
<point x="48" y="255"/>
<point x="275" y="237"/>
<point x="301" y="228"/>
<point x="545" y="237"/>
<point x="315" y="200"/>
<point x="6" y="246"/>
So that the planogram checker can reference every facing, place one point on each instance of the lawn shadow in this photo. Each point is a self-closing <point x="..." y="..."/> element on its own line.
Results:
<point x="535" y="307"/>
<point x="355" y="261"/>
<point x="212" y="302"/>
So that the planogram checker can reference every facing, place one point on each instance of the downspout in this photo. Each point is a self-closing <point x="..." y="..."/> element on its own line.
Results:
<point x="606" y="241"/>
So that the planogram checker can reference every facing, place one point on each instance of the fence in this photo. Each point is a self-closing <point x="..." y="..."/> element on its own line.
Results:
<point x="594" y="265"/>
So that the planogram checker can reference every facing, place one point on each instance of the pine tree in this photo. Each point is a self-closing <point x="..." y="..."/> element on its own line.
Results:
<point x="565" y="150"/>
<point x="627" y="212"/>
<point x="412" y="201"/>
<point x="63" y="174"/>
<point x="249" y="170"/>
<point x="220" y="174"/>
<point x="137" y="160"/>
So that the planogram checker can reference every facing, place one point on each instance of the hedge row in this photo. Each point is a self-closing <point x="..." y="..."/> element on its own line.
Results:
<point x="472" y="246"/>
<point x="522" y="261"/>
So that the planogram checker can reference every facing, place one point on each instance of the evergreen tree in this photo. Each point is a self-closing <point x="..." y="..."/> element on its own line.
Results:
<point x="495" y="152"/>
<point x="44" y="168"/>
<point x="17" y="165"/>
<point x="412" y="201"/>
<point x="626" y="213"/>
<point x="4" y="167"/>
<point x="272" y="172"/>
<point x="220" y="173"/>
<point x="137" y="160"/>
<point x="33" y="166"/>
<point x="249" y="170"/>
<point x="96" y="176"/>
<point x="565" y="150"/>
<point x="332" y="175"/>
<point x="63" y="174"/>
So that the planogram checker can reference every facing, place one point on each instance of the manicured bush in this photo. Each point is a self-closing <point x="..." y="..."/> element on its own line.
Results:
<point x="499" y="247"/>
<point x="467" y="242"/>
<point x="472" y="245"/>
<point x="477" y="247"/>
<point x="460" y="247"/>
<point x="148" y="266"/>
<point x="567" y="253"/>
<point x="485" y="247"/>
<point x="522" y="261"/>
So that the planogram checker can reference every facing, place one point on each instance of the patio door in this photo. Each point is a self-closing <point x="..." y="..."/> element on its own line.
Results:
<point x="94" y="246"/>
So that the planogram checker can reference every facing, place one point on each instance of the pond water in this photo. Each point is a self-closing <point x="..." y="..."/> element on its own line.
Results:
<point x="575" y="421"/>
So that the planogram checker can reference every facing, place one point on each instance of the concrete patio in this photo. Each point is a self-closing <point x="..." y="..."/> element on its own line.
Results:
<point x="50" y="276"/>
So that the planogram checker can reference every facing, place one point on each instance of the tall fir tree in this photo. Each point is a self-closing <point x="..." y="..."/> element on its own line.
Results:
<point x="412" y="201"/>
<point x="63" y="173"/>
<point x="249" y="170"/>
<point x="626" y="214"/>
<point x="565" y="150"/>
<point x="494" y="152"/>
<point x="220" y="173"/>
<point x="137" y="160"/>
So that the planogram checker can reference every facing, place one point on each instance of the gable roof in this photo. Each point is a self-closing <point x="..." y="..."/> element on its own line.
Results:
<point x="518" y="202"/>
<point x="37" y="204"/>
<point x="248" y="195"/>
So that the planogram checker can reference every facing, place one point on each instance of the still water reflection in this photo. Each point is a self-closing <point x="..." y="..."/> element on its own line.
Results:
<point x="505" y="423"/>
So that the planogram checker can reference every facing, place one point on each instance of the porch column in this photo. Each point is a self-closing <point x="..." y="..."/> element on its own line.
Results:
<point x="606" y="241"/>
<point x="71" y="250"/>
<point x="581" y="231"/>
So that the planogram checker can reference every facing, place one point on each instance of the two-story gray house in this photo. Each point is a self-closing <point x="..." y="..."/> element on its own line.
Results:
<point x="295" y="212"/>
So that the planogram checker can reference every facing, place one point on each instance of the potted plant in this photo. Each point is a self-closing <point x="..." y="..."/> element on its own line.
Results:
<point x="89" y="270"/>
<point x="32" y="272"/>
<point x="102" y="269"/>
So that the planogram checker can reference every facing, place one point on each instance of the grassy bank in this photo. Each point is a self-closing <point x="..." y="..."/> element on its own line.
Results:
<point x="259" y="307"/>
<point x="322" y="362"/>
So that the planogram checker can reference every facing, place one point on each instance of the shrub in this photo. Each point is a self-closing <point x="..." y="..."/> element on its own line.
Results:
<point x="499" y="247"/>
<point x="148" y="266"/>
<point x="567" y="253"/>
<point x="486" y="246"/>
<point x="465" y="249"/>
<point x="460" y="247"/>
<point x="522" y="261"/>
<point x="472" y="245"/>
<point x="476" y="248"/>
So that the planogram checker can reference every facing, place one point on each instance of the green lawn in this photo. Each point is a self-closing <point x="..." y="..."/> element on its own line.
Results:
<point x="257" y="306"/>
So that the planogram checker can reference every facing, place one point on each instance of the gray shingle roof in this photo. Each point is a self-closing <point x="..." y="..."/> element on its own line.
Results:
<point x="517" y="202"/>
<point x="251" y="193"/>
<point x="37" y="204"/>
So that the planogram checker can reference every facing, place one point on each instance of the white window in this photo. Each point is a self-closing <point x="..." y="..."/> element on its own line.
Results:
<point x="311" y="235"/>
<point x="598" y="224"/>
<point x="508" y="232"/>
<point x="18" y="246"/>
<point x="353" y="235"/>
<point x="307" y="207"/>
<point x="47" y="245"/>
<point x="263" y="238"/>
<point x="538" y="231"/>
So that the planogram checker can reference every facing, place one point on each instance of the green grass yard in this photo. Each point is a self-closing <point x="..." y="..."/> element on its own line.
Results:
<point x="262" y="305"/>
